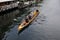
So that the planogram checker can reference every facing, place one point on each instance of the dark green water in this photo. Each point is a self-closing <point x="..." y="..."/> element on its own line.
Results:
<point x="29" y="33"/>
<point x="45" y="27"/>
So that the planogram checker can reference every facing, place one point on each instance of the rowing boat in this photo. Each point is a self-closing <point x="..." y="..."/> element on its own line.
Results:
<point x="22" y="26"/>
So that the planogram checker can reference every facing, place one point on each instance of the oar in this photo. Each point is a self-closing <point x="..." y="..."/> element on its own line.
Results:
<point x="38" y="22"/>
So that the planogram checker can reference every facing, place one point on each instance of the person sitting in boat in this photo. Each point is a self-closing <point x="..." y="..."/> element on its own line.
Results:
<point x="35" y="12"/>
<point x="26" y="20"/>
<point x="29" y="17"/>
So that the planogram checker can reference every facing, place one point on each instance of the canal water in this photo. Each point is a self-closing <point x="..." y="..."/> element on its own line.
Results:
<point x="46" y="25"/>
<point x="12" y="32"/>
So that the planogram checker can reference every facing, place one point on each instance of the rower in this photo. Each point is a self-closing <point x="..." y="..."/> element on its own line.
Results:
<point x="35" y="12"/>
<point x="26" y="20"/>
<point x="29" y="17"/>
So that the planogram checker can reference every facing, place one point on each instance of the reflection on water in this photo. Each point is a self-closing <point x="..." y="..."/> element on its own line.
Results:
<point x="27" y="33"/>
<point x="7" y="28"/>
<point x="45" y="27"/>
<point x="10" y="32"/>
